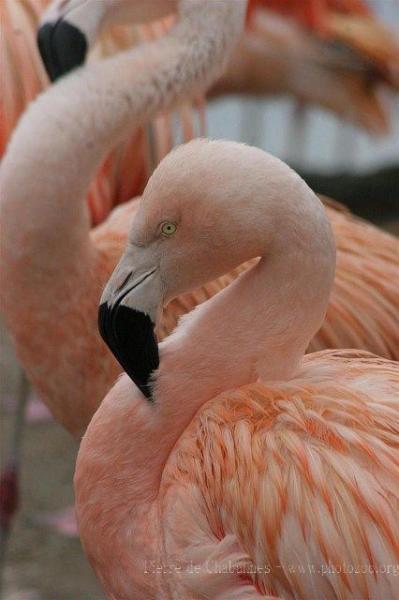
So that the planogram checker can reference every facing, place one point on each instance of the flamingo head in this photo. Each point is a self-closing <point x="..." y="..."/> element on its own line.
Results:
<point x="70" y="27"/>
<point x="208" y="207"/>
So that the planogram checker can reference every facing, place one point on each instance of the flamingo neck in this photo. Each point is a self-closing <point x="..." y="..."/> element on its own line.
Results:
<point x="257" y="328"/>
<point x="67" y="131"/>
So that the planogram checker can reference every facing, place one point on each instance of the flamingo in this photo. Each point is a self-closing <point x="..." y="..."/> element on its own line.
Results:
<point x="63" y="356"/>
<point x="45" y="222"/>
<point x="224" y="463"/>
<point x="276" y="56"/>
<point x="119" y="179"/>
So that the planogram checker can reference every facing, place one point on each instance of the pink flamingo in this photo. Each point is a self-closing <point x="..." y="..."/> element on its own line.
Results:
<point x="233" y="466"/>
<point x="119" y="179"/>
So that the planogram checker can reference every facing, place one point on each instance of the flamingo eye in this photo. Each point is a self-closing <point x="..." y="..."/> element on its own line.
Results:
<point x="168" y="228"/>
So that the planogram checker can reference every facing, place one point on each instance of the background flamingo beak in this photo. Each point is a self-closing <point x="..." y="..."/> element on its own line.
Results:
<point x="62" y="46"/>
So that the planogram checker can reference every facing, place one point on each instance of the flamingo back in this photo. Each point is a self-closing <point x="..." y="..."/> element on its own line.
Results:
<point x="290" y="489"/>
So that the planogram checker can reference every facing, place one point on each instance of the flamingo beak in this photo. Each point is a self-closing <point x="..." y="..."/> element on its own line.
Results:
<point x="62" y="46"/>
<point x="68" y="29"/>
<point x="127" y="318"/>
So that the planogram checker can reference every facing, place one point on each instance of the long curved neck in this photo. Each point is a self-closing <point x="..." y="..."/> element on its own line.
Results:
<point x="67" y="131"/>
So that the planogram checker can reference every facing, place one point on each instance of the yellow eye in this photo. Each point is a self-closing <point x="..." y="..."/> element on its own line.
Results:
<point x="168" y="228"/>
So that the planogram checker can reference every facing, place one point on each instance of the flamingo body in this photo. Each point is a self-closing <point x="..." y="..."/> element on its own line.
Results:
<point x="286" y="490"/>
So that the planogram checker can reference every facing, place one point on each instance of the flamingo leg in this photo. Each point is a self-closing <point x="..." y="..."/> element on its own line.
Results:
<point x="9" y="479"/>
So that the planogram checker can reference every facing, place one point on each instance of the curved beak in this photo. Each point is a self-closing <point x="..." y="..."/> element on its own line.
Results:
<point x="127" y="317"/>
<point x="62" y="48"/>
<point x="70" y="27"/>
<point x="68" y="30"/>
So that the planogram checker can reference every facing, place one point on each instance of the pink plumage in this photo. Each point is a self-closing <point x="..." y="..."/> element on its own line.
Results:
<point x="252" y="471"/>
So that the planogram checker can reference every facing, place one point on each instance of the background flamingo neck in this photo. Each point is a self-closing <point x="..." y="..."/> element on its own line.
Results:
<point x="64" y="135"/>
<point x="257" y="328"/>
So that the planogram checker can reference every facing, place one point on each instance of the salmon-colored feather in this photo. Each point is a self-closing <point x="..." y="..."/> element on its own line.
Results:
<point x="369" y="38"/>
<point x="334" y="495"/>
<point x="313" y="13"/>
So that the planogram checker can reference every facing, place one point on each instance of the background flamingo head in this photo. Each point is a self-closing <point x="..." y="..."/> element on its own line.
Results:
<point x="70" y="27"/>
<point x="209" y="206"/>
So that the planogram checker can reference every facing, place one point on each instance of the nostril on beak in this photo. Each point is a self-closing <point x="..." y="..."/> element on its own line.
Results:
<point x="124" y="282"/>
<point x="62" y="46"/>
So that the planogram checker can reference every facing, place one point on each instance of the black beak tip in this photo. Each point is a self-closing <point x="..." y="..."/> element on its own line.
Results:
<point x="130" y="336"/>
<point x="62" y="46"/>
